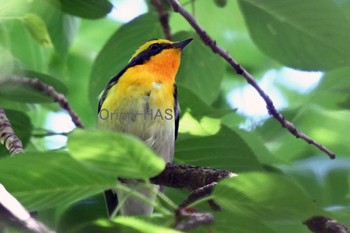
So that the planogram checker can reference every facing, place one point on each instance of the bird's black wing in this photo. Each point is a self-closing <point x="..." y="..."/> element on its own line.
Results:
<point x="176" y="111"/>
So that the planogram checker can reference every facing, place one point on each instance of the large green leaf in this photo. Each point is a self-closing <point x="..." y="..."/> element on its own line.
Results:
<point x="264" y="196"/>
<point x="90" y="9"/>
<point x="201" y="70"/>
<point x="44" y="180"/>
<point x="228" y="222"/>
<point x="114" y="154"/>
<point x="223" y="150"/>
<point x="309" y="35"/>
<point x="116" y="53"/>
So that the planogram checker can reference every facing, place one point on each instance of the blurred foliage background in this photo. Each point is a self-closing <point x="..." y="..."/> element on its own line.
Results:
<point x="77" y="46"/>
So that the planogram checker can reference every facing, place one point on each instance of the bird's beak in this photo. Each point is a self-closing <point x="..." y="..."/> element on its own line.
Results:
<point x="182" y="44"/>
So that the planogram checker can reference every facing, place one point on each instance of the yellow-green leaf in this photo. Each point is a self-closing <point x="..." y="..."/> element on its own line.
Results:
<point x="37" y="29"/>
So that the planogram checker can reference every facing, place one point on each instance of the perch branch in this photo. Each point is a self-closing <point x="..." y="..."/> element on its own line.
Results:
<point x="320" y="224"/>
<point x="7" y="135"/>
<point x="43" y="88"/>
<point x="248" y="77"/>
<point x="188" y="177"/>
<point x="163" y="18"/>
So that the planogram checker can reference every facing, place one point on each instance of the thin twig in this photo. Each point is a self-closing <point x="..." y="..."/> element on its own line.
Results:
<point x="248" y="77"/>
<point x="43" y="88"/>
<point x="163" y="18"/>
<point x="7" y="135"/>
<point x="320" y="224"/>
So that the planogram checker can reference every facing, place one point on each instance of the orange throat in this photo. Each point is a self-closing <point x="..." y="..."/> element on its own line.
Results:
<point x="165" y="65"/>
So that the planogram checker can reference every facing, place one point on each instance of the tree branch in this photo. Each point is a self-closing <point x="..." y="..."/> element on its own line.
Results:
<point x="7" y="135"/>
<point x="43" y="88"/>
<point x="163" y="18"/>
<point x="248" y="77"/>
<point x="188" y="177"/>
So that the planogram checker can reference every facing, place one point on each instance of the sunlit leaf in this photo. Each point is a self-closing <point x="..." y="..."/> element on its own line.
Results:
<point x="114" y="154"/>
<point x="44" y="180"/>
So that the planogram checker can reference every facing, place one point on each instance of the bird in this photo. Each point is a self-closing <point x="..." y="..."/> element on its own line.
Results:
<point x="143" y="96"/>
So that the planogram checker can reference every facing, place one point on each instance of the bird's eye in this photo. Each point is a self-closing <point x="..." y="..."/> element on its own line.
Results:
<point x="154" y="47"/>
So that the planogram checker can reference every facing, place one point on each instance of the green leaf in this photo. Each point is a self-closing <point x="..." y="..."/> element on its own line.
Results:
<point x="223" y="150"/>
<point x="142" y="226"/>
<point x="116" y="53"/>
<point x="24" y="93"/>
<point x="201" y="70"/>
<point x="44" y="180"/>
<point x="229" y="222"/>
<point x="220" y="3"/>
<point x="114" y="154"/>
<point x="22" y="126"/>
<point x="26" y="51"/>
<point x="327" y="183"/>
<point x="264" y="196"/>
<point x="89" y="9"/>
<point x="37" y="29"/>
<point x="82" y="215"/>
<point x="308" y="35"/>
<point x="333" y="92"/>
<point x="190" y="102"/>
<point x="62" y="27"/>
<point x="204" y="141"/>
<point x="120" y="224"/>
<point x="7" y="62"/>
